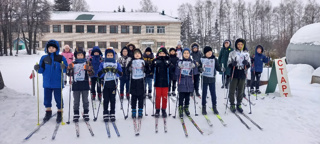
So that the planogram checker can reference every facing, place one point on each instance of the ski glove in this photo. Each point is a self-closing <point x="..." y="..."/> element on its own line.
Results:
<point x="87" y="67"/>
<point x="245" y="62"/>
<point x="192" y="65"/>
<point x="234" y="63"/>
<point x="63" y="66"/>
<point x="70" y="66"/>
<point x="36" y="67"/>
<point x="223" y="69"/>
<point x="114" y="70"/>
<point x="200" y="69"/>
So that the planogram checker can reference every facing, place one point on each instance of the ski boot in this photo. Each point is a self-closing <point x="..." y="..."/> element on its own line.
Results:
<point x="197" y="93"/>
<point x="113" y="117"/>
<point x="93" y="96"/>
<point x="121" y="96"/>
<point x="140" y="113"/>
<point x="134" y="113"/>
<point x="169" y="94"/>
<point x="128" y="96"/>
<point x="59" y="117"/>
<point x="252" y="91"/>
<point x="86" y="115"/>
<point x="186" y="110"/>
<point x="258" y="91"/>
<point x="48" y="115"/>
<point x="215" y="111"/>
<point x="180" y="111"/>
<point x="174" y="94"/>
<point x="204" y="111"/>
<point x="76" y="116"/>
<point x="99" y="96"/>
<point x="106" y="116"/>
<point x="239" y="109"/>
<point x="157" y="114"/>
<point x="232" y="108"/>
<point x="164" y="113"/>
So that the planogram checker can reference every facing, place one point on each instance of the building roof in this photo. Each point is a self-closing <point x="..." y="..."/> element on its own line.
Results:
<point x="111" y="16"/>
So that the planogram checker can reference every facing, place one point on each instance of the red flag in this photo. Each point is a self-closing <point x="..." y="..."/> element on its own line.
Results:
<point x="31" y="76"/>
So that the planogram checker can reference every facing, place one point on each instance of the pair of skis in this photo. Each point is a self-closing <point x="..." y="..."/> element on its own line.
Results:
<point x="244" y="123"/>
<point x="38" y="127"/>
<point x="115" y="128"/>
<point x="78" y="130"/>
<point x="164" y="125"/>
<point x="137" y="126"/>
<point x="185" y="128"/>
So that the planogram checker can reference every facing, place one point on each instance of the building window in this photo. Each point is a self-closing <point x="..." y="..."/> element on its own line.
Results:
<point x="114" y="45"/>
<point x="91" y="29"/>
<point x="56" y="28"/>
<point x="124" y="29"/>
<point x="161" y="29"/>
<point x="79" y="29"/>
<point x="149" y="29"/>
<point x="79" y="44"/>
<point x="68" y="43"/>
<point x="102" y="29"/>
<point x="67" y="28"/>
<point x="113" y="29"/>
<point x="136" y="29"/>
<point x="44" y="43"/>
<point x="102" y="45"/>
<point x="123" y="44"/>
<point x="45" y="28"/>
<point x="159" y="44"/>
<point x="90" y="44"/>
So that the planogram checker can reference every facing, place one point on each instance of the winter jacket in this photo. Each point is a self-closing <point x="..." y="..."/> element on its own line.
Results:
<point x="258" y="60"/>
<point x="50" y="67"/>
<point x="239" y="56"/>
<point x="137" y="85"/>
<point x="101" y="74"/>
<point x="148" y="60"/>
<point x="123" y="61"/>
<point x="83" y="84"/>
<point x="68" y="55"/>
<point x="96" y="60"/>
<point x="173" y="64"/>
<point x="160" y="67"/>
<point x="196" y="56"/>
<point x="223" y="58"/>
<point x="216" y="68"/>
<point x="130" y="52"/>
<point x="185" y="83"/>
<point x="179" y="53"/>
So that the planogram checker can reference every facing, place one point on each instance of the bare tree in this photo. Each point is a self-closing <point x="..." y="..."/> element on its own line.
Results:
<point x="147" y="6"/>
<point x="79" y="5"/>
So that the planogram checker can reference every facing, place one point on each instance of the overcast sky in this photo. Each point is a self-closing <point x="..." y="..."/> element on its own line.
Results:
<point x="169" y="6"/>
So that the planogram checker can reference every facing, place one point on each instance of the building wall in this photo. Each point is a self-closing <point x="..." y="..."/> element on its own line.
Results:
<point x="303" y="54"/>
<point x="170" y="37"/>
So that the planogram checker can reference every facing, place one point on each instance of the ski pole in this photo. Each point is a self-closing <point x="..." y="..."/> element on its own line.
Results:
<point x="144" y="98"/>
<point x="154" y="91"/>
<point x="62" y="123"/>
<point x="228" y="91"/>
<point x="168" y="91"/>
<point x="92" y="101"/>
<point x="245" y="69"/>
<point x="128" y="100"/>
<point x="95" y="119"/>
<point x="68" y="122"/>
<point x="115" y="81"/>
<point x="38" y="95"/>
<point x="175" y="111"/>
<point x="194" y="97"/>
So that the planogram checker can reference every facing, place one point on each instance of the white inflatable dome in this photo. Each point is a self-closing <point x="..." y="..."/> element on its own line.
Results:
<point x="304" y="47"/>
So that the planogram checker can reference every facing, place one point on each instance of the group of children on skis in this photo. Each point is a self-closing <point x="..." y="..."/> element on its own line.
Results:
<point x="180" y="68"/>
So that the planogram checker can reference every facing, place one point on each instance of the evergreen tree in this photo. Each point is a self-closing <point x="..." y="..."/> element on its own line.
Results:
<point x="62" y="5"/>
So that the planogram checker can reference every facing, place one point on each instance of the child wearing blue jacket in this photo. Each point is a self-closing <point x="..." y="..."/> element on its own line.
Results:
<point x="51" y="66"/>
<point x="257" y="68"/>
<point x="185" y="71"/>
<point x="95" y="60"/>
<point x="109" y="70"/>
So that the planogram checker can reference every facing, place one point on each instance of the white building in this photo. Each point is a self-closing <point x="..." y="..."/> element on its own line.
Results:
<point x="112" y="29"/>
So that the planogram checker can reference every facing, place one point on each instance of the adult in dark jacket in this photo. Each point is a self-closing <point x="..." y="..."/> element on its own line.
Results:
<point x="148" y="58"/>
<point x="52" y="69"/>
<point x="131" y="48"/>
<point x="160" y="66"/>
<point x="223" y="60"/>
<point x="239" y="61"/>
<point x="208" y="66"/>
<point x="257" y="68"/>
<point x="173" y="78"/>
<point x="185" y="71"/>
<point x="196" y="55"/>
<point x="95" y="60"/>
<point x="137" y="67"/>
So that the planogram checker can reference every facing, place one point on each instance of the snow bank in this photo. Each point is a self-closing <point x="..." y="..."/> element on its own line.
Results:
<point x="316" y="72"/>
<point x="307" y="35"/>
<point x="300" y="73"/>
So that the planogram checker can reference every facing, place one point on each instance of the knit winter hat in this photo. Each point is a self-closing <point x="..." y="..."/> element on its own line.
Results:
<point x="172" y="49"/>
<point x="186" y="49"/>
<point x="148" y="49"/>
<point x="162" y="49"/>
<point x="207" y="49"/>
<point x="79" y="50"/>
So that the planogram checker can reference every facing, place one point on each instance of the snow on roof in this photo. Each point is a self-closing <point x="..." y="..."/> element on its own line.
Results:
<point x="114" y="16"/>
<point x="308" y="34"/>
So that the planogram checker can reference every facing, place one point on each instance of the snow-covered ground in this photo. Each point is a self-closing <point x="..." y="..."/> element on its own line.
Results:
<point x="293" y="120"/>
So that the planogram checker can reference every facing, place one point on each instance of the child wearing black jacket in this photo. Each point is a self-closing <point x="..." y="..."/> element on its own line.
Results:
<point x="136" y="67"/>
<point x="173" y="78"/>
